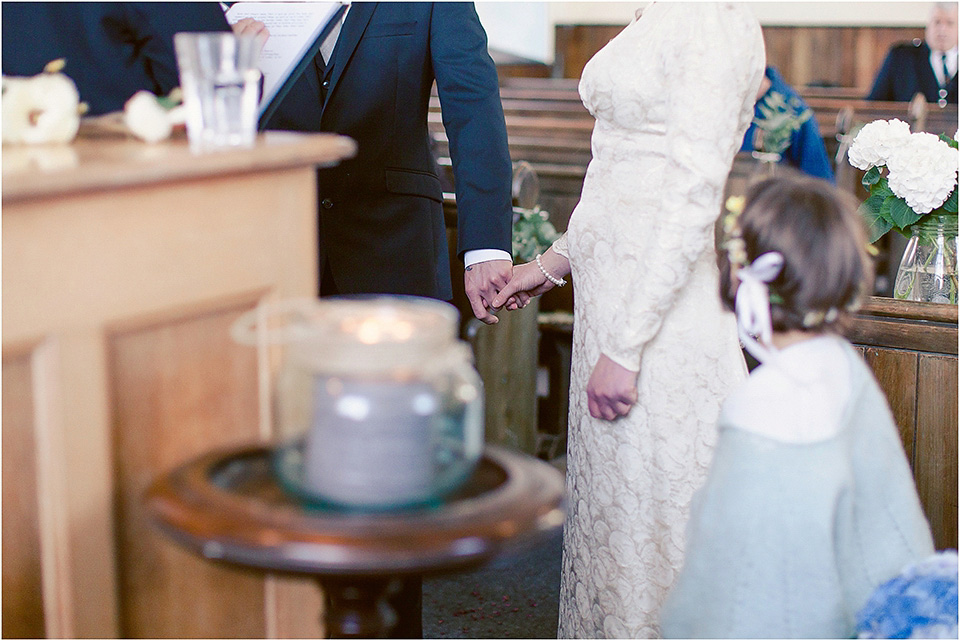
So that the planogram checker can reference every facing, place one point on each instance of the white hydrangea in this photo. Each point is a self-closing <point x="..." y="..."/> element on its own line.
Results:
<point x="41" y="109"/>
<point x="923" y="171"/>
<point x="876" y="140"/>
<point x="146" y="118"/>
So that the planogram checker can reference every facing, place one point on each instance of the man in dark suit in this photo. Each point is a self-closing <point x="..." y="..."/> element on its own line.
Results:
<point x="381" y="219"/>
<point x="112" y="49"/>
<point x="928" y="67"/>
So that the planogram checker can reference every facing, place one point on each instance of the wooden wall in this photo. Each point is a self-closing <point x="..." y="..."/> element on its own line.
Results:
<point x="832" y="56"/>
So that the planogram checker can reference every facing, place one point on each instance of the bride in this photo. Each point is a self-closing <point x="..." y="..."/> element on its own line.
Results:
<point x="654" y="352"/>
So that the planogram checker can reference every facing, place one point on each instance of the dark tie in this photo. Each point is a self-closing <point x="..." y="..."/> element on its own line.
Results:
<point x="946" y="71"/>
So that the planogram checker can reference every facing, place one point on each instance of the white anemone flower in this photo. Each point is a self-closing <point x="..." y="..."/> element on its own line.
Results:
<point x="146" y="118"/>
<point x="41" y="109"/>
<point x="923" y="171"/>
<point x="872" y="146"/>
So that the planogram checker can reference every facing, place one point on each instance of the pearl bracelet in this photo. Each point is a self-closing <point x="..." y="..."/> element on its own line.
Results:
<point x="559" y="282"/>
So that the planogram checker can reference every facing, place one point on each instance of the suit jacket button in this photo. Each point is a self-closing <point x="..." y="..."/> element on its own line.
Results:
<point x="326" y="203"/>
<point x="326" y="83"/>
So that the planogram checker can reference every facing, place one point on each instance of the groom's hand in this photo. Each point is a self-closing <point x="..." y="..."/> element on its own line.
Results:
<point x="482" y="282"/>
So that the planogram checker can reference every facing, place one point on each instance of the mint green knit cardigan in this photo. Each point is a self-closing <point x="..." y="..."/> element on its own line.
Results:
<point x="788" y="540"/>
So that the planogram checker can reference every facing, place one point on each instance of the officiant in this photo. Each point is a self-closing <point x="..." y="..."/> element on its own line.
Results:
<point x="380" y="214"/>
<point x="112" y="49"/>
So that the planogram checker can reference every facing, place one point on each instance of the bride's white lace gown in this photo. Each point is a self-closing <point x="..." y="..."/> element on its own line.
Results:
<point x="673" y="95"/>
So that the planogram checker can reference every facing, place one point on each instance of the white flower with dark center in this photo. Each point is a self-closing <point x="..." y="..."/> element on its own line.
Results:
<point x="872" y="146"/>
<point x="41" y="109"/>
<point x="146" y="118"/>
<point x="923" y="171"/>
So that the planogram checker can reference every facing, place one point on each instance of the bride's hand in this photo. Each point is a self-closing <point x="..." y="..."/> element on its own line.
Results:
<point x="527" y="281"/>
<point x="611" y="390"/>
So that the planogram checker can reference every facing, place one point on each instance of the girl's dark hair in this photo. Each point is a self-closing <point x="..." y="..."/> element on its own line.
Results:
<point x="823" y="242"/>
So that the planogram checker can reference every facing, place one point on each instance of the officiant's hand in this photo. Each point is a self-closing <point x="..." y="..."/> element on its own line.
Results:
<point x="611" y="390"/>
<point x="251" y="27"/>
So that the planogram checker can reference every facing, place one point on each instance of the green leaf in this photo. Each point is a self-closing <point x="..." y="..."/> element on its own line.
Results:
<point x="872" y="177"/>
<point x="951" y="204"/>
<point x="882" y="188"/>
<point x="900" y="212"/>
<point x="950" y="141"/>
<point x="873" y="203"/>
<point x="877" y="225"/>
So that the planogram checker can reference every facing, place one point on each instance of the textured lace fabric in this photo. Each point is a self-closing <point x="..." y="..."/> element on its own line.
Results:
<point x="673" y="95"/>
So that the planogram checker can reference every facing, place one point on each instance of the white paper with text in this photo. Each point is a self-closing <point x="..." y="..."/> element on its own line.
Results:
<point x="293" y="27"/>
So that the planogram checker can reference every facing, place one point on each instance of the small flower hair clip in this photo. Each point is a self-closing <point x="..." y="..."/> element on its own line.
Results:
<point x="733" y="244"/>
<point x="818" y="317"/>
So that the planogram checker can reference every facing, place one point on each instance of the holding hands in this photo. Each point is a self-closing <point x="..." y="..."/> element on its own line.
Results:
<point x="481" y="282"/>
<point x="530" y="279"/>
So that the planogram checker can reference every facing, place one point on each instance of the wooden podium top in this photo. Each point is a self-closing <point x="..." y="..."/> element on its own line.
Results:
<point x="102" y="159"/>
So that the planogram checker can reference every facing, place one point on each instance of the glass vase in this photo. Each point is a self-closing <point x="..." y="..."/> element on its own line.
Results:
<point x="928" y="270"/>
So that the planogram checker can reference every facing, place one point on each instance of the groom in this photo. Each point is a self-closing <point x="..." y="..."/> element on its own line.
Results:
<point x="381" y="217"/>
<point x="380" y="214"/>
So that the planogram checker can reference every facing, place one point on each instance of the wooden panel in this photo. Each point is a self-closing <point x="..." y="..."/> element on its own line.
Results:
<point x="22" y="580"/>
<point x="936" y="471"/>
<point x="576" y="44"/>
<point x="904" y="333"/>
<point x="181" y="388"/>
<point x="507" y="355"/>
<point x="832" y="56"/>
<point x="835" y="56"/>
<point x="112" y="264"/>
<point x="896" y="372"/>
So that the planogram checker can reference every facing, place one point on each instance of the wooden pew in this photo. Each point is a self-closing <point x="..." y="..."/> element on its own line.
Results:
<point x="548" y="126"/>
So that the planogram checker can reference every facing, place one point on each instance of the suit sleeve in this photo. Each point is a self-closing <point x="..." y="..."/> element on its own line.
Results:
<point x="152" y="26"/>
<point x="473" y="118"/>
<point x="808" y="153"/>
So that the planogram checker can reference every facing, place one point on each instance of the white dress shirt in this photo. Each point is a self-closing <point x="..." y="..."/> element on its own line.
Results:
<point x="937" y="62"/>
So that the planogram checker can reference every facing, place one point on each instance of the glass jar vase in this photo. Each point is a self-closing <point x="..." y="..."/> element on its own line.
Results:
<point x="928" y="269"/>
<point x="380" y="397"/>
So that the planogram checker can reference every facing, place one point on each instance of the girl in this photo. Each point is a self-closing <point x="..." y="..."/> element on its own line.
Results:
<point x="809" y="503"/>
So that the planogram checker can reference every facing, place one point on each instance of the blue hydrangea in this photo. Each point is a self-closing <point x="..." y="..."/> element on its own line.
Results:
<point x="920" y="602"/>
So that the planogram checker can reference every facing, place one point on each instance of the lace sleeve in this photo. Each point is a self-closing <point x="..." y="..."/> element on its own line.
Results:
<point x="702" y="136"/>
<point x="560" y="246"/>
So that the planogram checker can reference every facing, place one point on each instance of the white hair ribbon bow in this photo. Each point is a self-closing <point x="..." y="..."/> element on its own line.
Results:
<point x="753" y="304"/>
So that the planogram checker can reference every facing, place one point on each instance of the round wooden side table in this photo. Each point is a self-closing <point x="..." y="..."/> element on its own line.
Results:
<point x="228" y="506"/>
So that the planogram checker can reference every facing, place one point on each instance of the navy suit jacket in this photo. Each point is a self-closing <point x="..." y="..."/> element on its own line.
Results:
<point x="905" y="72"/>
<point x="112" y="49"/>
<point x="381" y="217"/>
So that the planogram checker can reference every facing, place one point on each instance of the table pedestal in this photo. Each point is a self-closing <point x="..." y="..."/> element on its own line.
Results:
<point x="228" y="507"/>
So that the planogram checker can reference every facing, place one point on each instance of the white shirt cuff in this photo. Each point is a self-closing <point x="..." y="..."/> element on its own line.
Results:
<point x="475" y="256"/>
